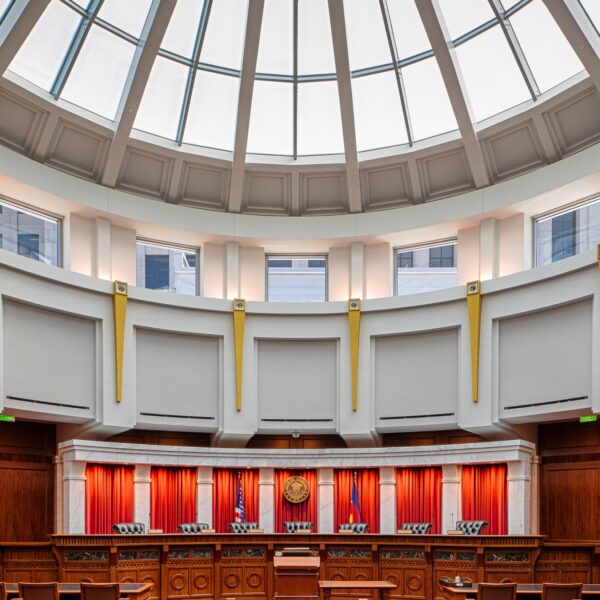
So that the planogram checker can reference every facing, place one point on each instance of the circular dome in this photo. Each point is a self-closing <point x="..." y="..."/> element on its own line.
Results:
<point x="275" y="83"/>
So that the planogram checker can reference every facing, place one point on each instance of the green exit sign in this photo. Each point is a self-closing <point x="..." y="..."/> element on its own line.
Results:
<point x="588" y="418"/>
<point x="7" y="418"/>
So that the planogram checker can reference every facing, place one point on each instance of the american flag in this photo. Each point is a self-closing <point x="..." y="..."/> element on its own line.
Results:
<point x="240" y="511"/>
<point x="354" y="516"/>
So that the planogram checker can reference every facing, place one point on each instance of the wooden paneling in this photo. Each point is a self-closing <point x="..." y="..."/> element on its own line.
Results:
<point x="302" y="442"/>
<point x="162" y="438"/>
<point x="430" y="438"/>
<point x="26" y="481"/>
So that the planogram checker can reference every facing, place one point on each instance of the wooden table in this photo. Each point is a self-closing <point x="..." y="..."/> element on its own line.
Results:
<point x="382" y="587"/>
<point x="133" y="591"/>
<point x="523" y="589"/>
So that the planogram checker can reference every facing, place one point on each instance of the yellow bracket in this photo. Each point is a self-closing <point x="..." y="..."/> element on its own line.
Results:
<point x="354" y="325"/>
<point x="239" y="317"/>
<point x="120" y="293"/>
<point x="474" y="308"/>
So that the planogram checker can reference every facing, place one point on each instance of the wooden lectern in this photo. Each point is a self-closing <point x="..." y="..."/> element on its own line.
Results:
<point x="296" y="576"/>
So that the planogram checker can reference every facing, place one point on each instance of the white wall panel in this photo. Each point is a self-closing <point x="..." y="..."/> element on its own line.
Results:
<point x="50" y="358"/>
<point x="177" y="375"/>
<point x="545" y="356"/>
<point x="297" y="379"/>
<point x="416" y="375"/>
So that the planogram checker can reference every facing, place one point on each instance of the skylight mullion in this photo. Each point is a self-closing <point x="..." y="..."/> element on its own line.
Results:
<point x="75" y="47"/>
<point x="389" y="31"/>
<point x="515" y="47"/>
<point x="295" y="84"/>
<point x="6" y="11"/>
<point x="189" y="86"/>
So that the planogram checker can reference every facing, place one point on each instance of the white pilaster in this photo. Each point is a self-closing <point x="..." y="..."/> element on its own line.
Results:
<point x="325" y="520"/>
<point x="266" y="499"/>
<point x="102" y="258"/>
<point x="204" y="495"/>
<point x="488" y="249"/>
<point x="357" y="270"/>
<point x="58" y="501"/>
<point x="534" y="524"/>
<point x="232" y="263"/>
<point x="451" y="504"/>
<point x="387" y="500"/>
<point x="141" y="494"/>
<point x="74" y="497"/>
<point x="519" y="497"/>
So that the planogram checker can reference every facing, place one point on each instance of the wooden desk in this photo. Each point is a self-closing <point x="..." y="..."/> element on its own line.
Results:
<point x="523" y="589"/>
<point x="133" y="591"/>
<point x="296" y="576"/>
<point x="382" y="587"/>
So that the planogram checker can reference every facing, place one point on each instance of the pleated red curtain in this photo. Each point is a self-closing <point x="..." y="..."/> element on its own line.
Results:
<point x="108" y="496"/>
<point x="224" y="496"/>
<point x="286" y="510"/>
<point x="419" y="496"/>
<point x="484" y="496"/>
<point x="367" y="484"/>
<point x="172" y="497"/>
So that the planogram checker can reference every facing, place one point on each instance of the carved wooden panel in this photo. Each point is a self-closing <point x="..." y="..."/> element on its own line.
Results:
<point x="29" y="565"/>
<point x="185" y="581"/>
<point x="143" y="574"/>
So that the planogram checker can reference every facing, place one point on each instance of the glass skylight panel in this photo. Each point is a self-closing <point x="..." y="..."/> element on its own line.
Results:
<point x="3" y="6"/>
<point x="129" y="16"/>
<point x="271" y="119"/>
<point x="99" y="73"/>
<point x="409" y="33"/>
<point x="183" y="27"/>
<point x="315" y="45"/>
<point x="550" y="56"/>
<point x="428" y="103"/>
<point x="296" y="278"/>
<point x="492" y="77"/>
<point x="460" y="18"/>
<point x="212" y="116"/>
<point x="42" y="54"/>
<point x="367" y="41"/>
<point x="319" y="119"/>
<point x="592" y="8"/>
<point x="161" y="103"/>
<point x="225" y="34"/>
<point x="377" y="111"/>
<point x="276" y="46"/>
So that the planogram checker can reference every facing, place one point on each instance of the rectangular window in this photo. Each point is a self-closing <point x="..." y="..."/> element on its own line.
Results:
<point x="425" y="268"/>
<point x="296" y="278"/>
<point x="167" y="268"/>
<point x="29" y="233"/>
<point x="566" y="233"/>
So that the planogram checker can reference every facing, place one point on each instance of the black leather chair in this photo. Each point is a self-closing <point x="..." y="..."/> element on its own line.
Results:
<point x="242" y="527"/>
<point x="293" y="526"/>
<point x="418" y="528"/>
<point x="471" y="527"/>
<point x="192" y="527"/>
<point x="354" y="527"/>
<point x="129" y="528"/>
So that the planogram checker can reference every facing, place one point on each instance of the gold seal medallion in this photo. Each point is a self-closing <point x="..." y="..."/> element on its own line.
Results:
<point x="296" y="490"/>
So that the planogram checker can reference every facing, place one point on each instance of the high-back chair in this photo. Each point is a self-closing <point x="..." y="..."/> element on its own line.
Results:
<point x="293" y="526"/>
<point x="242" y="527"/>
<point x="471" y="527"/>
<point x="100" y="591"/>
<point x="418" y="528"/>
<point x="354" y="527"/>
<point x="192" y="527"/>
<point x="561" y="591"/>
<point x="497" y="591"/>
<point x="38" y="591"/>
<point x="128" y="528"/>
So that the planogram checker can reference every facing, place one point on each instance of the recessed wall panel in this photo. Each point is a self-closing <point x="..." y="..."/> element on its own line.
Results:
<point x="297" y="379"/>
<point x="178" y="375"/>
<point x="49" y="358"/>
<point x="545" y="357"/>
<point x="416" y="375"/>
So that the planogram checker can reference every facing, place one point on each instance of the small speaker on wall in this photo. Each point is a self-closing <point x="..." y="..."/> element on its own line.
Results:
<point x="473" y="287"/>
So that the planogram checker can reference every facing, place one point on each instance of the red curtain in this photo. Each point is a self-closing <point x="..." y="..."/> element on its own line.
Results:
<point x="287" y="511"/>
<point x="367" y="484"/>
<point x="108" y="496"/>
<point x="225" y="492"/>
<point x="484" y="497"/>
<point x="419" y="496"/>
<point x="172" y="497"/>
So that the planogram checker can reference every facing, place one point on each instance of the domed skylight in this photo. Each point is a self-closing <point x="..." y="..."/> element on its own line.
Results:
<point x="505" y="52"/>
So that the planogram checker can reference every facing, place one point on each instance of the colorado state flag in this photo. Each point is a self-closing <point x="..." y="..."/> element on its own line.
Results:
<point x="354" y="516"/>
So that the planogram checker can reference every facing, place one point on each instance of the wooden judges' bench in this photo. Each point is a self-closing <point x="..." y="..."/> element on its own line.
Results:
<point x="241" y="566"/>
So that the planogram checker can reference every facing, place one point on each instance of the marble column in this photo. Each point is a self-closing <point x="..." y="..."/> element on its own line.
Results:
<point x="387" y="499"/>
<point x="519" y="496"/>
<point x="325" y="484"/>
<point x="266" y="499"/>
<point x="141" y="495"/>
<point x="74" y="497"/>
<point x="204" y="495"/>
<point x="451" y="504"/>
